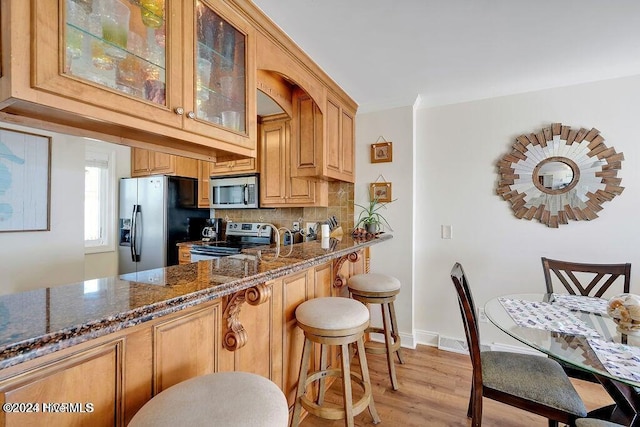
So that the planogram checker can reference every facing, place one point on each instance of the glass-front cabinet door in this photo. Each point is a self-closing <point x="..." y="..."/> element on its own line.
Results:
<point x="182" y="64"/>
<point x="222" y="69"/>
<point x="112" y="54"/>
<point x="118" y="44"/>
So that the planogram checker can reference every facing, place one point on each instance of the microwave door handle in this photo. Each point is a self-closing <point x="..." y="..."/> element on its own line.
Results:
<point x="246" y="194"/>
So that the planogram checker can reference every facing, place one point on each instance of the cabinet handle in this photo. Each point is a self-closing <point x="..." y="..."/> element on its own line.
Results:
<point x="179" y="111"/>
<point x="191" y="115"/>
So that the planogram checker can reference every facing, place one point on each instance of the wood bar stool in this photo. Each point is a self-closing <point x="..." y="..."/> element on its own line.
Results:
<point x="373" y="288"/>
<point x="333" y="321"/>
<point x="226" y="399"/>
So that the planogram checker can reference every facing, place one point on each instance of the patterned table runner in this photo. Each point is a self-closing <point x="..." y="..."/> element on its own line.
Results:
<point x="618" y="359"/>
<point x="581" y="303"/>
<point x="542" y="315"/>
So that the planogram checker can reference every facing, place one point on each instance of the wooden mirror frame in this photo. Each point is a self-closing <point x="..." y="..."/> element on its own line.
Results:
<point x="595" y="167"/>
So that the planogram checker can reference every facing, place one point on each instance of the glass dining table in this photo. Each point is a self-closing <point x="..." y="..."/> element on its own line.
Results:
<point x="581" y="335"/>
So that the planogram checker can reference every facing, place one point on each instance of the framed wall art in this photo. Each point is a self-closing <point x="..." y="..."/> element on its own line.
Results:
<point x="380" y="191"/>
<point x="381" y="152"/>
<point x="25" y="161"/>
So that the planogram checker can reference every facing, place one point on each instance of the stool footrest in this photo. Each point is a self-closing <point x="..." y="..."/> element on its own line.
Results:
<point x="336" y="413"/>
<point x="374" y="347"/>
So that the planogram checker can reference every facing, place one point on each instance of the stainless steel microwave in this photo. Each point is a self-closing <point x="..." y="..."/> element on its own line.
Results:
<point x="234" y="192"/>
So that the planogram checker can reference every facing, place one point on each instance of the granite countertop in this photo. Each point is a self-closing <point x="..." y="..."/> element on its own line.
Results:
<point x="38" y="322"/>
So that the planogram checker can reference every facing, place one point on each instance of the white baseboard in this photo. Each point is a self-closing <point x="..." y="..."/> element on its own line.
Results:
<point x="457" y="345"/>
<point x="406" y="340"/>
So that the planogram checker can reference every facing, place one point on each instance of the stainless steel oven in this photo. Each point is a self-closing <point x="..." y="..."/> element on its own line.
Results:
<point x="240" y="235"/>
<point x="234" y="192"/>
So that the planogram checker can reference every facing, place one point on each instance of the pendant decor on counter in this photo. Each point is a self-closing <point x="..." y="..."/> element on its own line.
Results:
<point x="559" y="174"/>
<point x="381" y="152"/>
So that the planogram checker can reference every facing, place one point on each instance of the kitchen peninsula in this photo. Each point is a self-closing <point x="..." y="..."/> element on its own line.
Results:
<point x="116" y="342"/>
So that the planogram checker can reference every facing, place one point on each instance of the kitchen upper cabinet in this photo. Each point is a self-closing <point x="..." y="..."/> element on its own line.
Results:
<point x="203" y="184"/>
<point x="340" y="141"/>
<point x="277" y="186"/>
<point x="323" y="145"/>
<point x="145" y="162"/>
<point x="173" y="73"/>
<point x="232" y="167"/>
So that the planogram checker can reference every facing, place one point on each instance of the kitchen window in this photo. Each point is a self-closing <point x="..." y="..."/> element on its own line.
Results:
<point x="99" y="190"/>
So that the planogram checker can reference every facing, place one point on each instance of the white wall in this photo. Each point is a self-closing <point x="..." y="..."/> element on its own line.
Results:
<point x="36" y="259"/>
<point x="395" y="256"/>
<point x="457" y="147"/>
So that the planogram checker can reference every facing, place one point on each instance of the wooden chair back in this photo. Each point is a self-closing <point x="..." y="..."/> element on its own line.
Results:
<point x="600" y="279"/>
<point x="470" y="321"/>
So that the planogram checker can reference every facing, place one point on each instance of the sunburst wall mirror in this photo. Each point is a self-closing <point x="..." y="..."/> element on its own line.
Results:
<point x="559" y="174"/>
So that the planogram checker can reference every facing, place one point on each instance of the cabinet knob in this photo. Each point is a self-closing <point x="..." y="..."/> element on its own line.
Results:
<point x="191" y="115"/>
<point x="179" y="111"/>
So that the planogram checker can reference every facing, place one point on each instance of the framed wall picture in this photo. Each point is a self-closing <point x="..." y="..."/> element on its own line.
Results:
<point x="381" y="152"/>
<point x="25" y="160"/>
<point x="380" y="191"/>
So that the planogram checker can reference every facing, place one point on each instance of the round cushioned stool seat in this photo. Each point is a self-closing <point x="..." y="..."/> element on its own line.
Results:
<point x="374" y="282"/>
<point x="220" y="399"/>
<point x="332" y="313"/>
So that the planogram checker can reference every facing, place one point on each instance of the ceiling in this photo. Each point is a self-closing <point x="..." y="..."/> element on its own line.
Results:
<point x="386" y="53"/>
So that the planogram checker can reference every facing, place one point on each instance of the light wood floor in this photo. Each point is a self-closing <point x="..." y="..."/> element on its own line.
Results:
<point x="434" y="391"/>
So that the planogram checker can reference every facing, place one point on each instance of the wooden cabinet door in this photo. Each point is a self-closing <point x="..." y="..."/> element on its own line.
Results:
<point x="204" y="174"/>
<point x="322" y="146"/>
<point x="184" y="255"/>
<point x="306" y="137"/>
<point x="145" y="162"/>
<point x="231" y="167"/>
<point x="348" y="146"/>
<point x="200" y="333"/>
<point x="161" y="163"/>
<point x="340" y="142"/>
<point x="277" y="186"/>
<point x="296" y="289"/>
<point x="92" y="377"/>
<point x="140" y="159"/>
<point x="273" y="146"/>
<point x="186" y="166"/>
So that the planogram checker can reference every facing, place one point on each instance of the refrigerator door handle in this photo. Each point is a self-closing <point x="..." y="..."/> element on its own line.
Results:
<point x="135" y="257"/>
<point x="246" y="194"/>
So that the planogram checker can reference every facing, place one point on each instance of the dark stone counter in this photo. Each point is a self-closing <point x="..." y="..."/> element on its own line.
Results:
<point x="42" y="321"/>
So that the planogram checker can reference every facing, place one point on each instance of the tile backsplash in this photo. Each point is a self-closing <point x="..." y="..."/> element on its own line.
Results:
<point x="340" y="206"/>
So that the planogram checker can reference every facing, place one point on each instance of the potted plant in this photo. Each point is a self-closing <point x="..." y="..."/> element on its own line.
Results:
<point x="370" y="219"/>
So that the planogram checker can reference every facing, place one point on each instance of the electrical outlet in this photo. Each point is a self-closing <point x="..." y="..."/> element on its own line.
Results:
<point x="310" y="227"/>
<point x="296" y="226"/>
<point x="482" y="317"/>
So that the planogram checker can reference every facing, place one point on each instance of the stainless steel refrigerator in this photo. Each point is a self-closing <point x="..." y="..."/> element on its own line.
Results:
<point x="154" y="216"/>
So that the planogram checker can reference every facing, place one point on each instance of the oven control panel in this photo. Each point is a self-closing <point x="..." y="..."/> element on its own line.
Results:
<point x="249" y="229"/>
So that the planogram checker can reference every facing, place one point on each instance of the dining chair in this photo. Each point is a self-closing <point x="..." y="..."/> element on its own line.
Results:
<point x="585" y="279"/>
<point x="532" y="383"/>
<point x="591" y="280"/>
